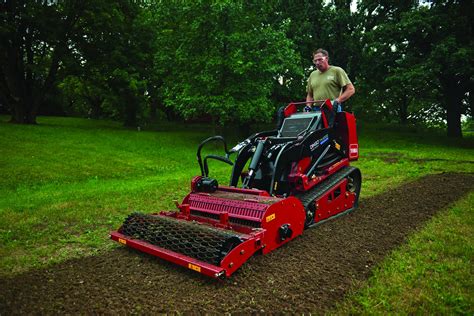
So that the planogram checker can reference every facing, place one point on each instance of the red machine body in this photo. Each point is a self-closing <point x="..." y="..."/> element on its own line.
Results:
<point x="218" y="228"/>
<point x="254" y="217"/>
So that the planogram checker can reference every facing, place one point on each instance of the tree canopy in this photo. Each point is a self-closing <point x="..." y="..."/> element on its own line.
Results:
<point x="233" y="61"/>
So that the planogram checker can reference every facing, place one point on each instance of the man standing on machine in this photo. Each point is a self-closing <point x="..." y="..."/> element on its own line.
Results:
<point x="328" y="82"/>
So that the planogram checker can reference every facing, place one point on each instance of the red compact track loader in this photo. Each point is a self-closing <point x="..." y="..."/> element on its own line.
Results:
<point x="299" y="176"/>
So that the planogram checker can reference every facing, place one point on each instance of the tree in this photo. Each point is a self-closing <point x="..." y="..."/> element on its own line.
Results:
<point x="34" y="39"/>
<point x="387" y="88"/>
<point x="451" y="56"/>
<point x="415" y="60"/>
<point x="302" y="20"/>
<point x="225" y="62"/>
<point x="113" y="57"/>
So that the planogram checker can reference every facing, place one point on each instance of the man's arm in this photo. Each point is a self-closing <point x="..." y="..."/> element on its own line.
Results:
<point x="309" y="90"/>
<point x="348" y="91"/>
<point x="309" y="98"/>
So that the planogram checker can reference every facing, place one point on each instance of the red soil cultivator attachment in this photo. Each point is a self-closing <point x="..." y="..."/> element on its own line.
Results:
<point x="299" y="176"/>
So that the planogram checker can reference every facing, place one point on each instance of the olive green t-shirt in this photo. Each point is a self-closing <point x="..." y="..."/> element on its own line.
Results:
<point x="328" y="84"/>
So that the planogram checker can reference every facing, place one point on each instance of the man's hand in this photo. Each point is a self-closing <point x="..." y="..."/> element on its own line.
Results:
<point x="336" y="105"/>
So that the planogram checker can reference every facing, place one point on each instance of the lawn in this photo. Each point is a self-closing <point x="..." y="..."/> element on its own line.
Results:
<point x="67" y="182"/>
<point x="430" y="275"/>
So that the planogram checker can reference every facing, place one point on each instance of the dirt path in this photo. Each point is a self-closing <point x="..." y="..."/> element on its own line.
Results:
<point x="311" y="273"/>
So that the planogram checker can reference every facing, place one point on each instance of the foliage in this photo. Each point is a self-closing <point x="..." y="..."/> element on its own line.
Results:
<point x="384" y="72"/>
<point x="108" y="75"/>
<point x="415" y="60"/>
<point x="34" y="39"/>
<point x="233" y="61"/>
<point x="225" y="62"/>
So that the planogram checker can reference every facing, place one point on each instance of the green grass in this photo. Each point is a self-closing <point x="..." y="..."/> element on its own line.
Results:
<point x="390" y="156"/>
<point x="430" y="275"/>
<point x="67" y="182"/>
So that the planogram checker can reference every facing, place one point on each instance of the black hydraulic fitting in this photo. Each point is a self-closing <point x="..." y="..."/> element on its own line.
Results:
<point x="206" y="184"/>
<point x="285" y="231"/>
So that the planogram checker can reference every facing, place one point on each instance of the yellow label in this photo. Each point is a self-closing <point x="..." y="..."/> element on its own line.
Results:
<point x="270" y="217"/>
<point x="194" y="267"/>
<point x="122" y="241"/>
<point x="338" y="146"/>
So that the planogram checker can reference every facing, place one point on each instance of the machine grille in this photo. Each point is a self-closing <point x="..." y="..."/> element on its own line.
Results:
<point x="232" y="220"/>
<point x="252" y="210"/>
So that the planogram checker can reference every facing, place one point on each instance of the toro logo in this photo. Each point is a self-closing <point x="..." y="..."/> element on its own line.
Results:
<point x="321" y="141"/>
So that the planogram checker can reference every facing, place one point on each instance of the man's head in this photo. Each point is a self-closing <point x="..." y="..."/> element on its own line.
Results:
<point x="321" y="59"/>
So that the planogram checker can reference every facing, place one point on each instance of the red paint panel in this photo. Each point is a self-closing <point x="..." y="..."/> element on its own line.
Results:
<point x="335" y="201"/>
<point x="290" y="109"/>
<point x="347" y="133"/>
<point x="177" y="258"/>
<point x="303" y="183"/>
<point x="288" y="211"/>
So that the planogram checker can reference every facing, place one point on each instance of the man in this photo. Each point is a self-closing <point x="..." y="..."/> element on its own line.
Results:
<point x="328" y="82"/>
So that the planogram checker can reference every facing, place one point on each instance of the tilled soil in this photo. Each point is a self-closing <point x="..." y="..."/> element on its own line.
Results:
<point x="310" y="274"/>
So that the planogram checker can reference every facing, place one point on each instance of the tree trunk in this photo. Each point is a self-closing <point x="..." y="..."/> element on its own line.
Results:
<point x="18" y="77"/>
<point x="153" y="109"/>
<point x="21" y="112"/>
<point x="471" y="97"/>
<point x="453" y="96"/>
<point x="454" y="117"/>
<point x="20" y="86"/>
<point x="95" y="110"/>
<point x="403" y="110"/>
<point x="130" y="117"/>
<point x="131" y="109"/>
<point x="244" y="130"/>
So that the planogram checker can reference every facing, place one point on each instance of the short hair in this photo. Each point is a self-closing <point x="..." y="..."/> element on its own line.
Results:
<point x="321" y="51"/>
